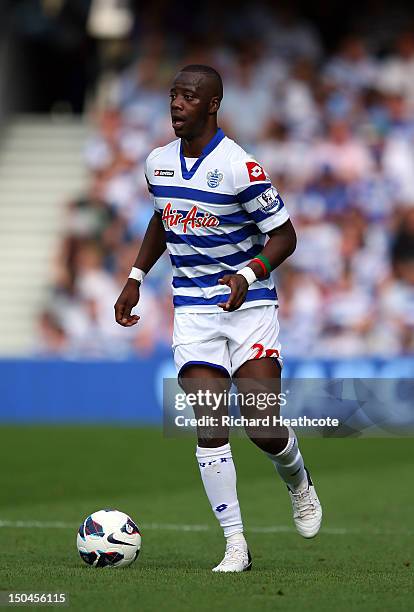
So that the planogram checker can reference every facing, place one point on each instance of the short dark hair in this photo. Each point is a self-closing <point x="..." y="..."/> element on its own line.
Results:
<point x="209" y="71"/>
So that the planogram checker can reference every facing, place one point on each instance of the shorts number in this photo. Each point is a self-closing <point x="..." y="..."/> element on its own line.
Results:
<point x="262" y="352"/>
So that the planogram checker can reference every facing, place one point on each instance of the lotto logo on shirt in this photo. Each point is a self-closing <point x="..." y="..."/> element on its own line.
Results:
<point x="256" y="172"/>
<point x="192" y="219"/>
<point x="163" y="172"/>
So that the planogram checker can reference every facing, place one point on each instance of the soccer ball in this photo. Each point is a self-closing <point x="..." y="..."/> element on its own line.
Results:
<point x="108" y="538"/>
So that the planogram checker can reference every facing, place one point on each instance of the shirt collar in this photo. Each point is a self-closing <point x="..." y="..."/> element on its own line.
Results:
<point x="210" y="146"/>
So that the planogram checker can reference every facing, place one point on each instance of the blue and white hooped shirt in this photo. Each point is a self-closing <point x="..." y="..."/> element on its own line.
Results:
<point x="216" y="215"/>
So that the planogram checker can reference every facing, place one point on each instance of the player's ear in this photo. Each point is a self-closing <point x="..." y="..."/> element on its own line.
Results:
<point x="214" y="105"/>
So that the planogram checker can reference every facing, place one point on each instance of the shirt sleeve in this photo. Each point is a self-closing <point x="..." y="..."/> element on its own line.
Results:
<point x="258" y="196"/>
<point x="149" y="186"/>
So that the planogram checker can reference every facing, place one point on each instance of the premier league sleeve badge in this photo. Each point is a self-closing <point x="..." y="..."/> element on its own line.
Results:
<point x="270" y="201"/>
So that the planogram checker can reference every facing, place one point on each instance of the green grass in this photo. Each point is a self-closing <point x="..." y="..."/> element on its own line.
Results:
<point x="64" y="474"/>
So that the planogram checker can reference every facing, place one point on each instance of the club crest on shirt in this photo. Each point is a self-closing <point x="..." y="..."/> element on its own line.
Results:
<point x="270" y="201"/>
<point x="214" y="178"/>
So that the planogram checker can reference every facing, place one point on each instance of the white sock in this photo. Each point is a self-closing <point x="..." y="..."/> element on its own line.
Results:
<point x="219" y="479"/>
<point x="289" y="464"/>
<point x="237" y="538"/>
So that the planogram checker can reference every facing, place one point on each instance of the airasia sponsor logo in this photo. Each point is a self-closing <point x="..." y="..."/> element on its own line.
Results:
<point x="192" y="219"/>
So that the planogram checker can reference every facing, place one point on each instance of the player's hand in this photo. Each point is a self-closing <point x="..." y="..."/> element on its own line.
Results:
<point x="238" y="285"/>
<point x="125" y="303"/>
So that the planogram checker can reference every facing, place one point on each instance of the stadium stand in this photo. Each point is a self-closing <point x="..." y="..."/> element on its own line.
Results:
<point x="330" y="114"/>
<point x="40" y="165"/>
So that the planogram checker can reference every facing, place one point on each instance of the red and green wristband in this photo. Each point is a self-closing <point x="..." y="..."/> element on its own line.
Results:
<point x="250" y="275"/>
<point x="264" y="264"/>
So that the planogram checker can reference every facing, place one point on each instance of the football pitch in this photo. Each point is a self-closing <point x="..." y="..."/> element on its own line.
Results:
<point x="51" y="478"/>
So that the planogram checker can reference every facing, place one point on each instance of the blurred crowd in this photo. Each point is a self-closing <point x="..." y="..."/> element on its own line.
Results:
<point x="336" y="133"/>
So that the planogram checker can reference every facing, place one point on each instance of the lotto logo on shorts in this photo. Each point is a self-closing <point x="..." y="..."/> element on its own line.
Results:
<point x="256" y="172"/>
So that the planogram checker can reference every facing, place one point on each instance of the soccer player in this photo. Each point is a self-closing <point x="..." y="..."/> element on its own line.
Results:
<point x="213" y="208"/>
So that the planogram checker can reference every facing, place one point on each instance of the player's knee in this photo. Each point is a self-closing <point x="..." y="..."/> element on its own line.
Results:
<point x="266" y="442"/>
<point x="256" y="435"/>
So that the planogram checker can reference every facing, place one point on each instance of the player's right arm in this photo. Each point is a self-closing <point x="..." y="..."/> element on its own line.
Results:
<point x="152" y="247"/>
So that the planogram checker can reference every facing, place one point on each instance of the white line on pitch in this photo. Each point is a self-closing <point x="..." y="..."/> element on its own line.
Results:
<point x="184" y="527"/>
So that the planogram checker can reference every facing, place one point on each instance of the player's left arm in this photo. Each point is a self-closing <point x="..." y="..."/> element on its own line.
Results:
<point x="266" y="208"/>
<point x="281" y="244"/>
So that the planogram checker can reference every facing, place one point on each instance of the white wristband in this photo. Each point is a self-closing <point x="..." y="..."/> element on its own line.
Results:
<point x="137" y="275"/>
<point x="248" y="274"/>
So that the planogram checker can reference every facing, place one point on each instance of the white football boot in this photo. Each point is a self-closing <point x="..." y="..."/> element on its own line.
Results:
<point x="236" y="559"/>
<point x="307" y="509"/>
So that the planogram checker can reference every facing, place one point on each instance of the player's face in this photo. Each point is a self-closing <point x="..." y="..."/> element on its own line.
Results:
<point x="189" y="105"/>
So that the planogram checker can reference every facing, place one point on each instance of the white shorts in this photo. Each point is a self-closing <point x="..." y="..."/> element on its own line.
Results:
<point x="225" y="340"/>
